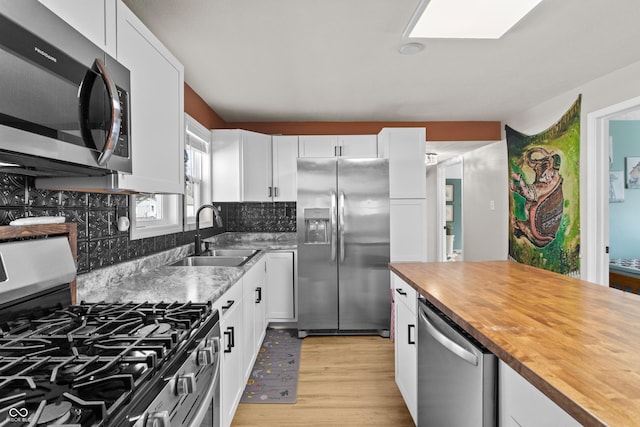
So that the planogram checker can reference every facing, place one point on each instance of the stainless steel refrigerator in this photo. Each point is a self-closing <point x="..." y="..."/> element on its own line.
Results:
<point x="343" y="246"/>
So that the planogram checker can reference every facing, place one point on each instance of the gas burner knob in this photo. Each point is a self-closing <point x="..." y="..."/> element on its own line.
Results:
<point x="158" y="419"/>
<point x="186" y="384"/>
<point x="205" y="356"/>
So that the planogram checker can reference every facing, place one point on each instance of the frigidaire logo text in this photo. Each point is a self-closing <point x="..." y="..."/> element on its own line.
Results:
<point x="45" y="54"/>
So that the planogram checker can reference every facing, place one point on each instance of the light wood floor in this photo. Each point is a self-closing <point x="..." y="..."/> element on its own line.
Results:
<point x="344" y="381"/>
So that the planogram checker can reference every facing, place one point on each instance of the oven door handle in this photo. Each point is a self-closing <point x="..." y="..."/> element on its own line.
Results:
<point x="201" y="412"/>
<point x="114" y="105"/>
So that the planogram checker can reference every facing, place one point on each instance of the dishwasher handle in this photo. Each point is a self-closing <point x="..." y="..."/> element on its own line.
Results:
<point x="446" y="342"/>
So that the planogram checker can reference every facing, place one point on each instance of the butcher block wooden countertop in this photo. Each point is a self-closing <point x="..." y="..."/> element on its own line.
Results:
<point x="577" y="342"/>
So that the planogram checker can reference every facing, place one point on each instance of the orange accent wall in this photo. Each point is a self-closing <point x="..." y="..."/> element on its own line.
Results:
<point x="197" y="108"/>
<point x="436" y="131"/>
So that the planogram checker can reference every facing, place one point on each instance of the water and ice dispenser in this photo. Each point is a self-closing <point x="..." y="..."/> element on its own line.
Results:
<point x="317" y="226"/>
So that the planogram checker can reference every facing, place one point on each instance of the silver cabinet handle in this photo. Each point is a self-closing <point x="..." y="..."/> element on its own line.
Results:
<point x="334" y="230"/>
<point x="116" y="110"/>
<point x="446" y="342"/>
<point x="341" y="225"/>
<point x="276" y="192"/>
<point x="270" y="192"/>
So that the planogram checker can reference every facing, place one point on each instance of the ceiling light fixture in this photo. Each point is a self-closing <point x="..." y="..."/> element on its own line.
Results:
<point x="430" y="159"/>
<point x="467" y="19"/>
<point x="411" y="48"/>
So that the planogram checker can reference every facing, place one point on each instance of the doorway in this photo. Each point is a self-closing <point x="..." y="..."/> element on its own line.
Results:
<point x="600" y="161"/>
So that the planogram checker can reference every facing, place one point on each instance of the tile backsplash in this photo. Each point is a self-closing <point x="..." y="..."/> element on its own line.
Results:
<point x="96" y="214"/>
<point x="259" y="217"/>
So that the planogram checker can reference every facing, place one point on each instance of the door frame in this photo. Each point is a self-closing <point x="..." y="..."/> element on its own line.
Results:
<point x="595" y="266"/>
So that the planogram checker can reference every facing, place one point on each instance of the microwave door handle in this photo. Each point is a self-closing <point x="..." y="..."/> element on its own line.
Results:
<point x="114" y="104"/>
<point x="116" y="114"/>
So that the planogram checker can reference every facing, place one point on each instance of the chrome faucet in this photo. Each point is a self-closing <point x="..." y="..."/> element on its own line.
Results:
<point x="218" y="217"/>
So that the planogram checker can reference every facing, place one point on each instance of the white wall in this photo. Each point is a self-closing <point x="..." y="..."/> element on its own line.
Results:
<point x="485" y="224"/>
<point x="607" y="90"/>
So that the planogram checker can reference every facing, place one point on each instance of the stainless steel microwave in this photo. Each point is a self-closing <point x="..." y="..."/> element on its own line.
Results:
<point x="64" y="103"/>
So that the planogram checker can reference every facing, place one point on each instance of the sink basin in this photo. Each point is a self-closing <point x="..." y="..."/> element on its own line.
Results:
<point x="211" y="261"/>
<point x="230" y="252"/>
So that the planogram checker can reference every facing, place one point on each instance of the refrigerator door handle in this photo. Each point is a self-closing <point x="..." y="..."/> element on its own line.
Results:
<point x="334" y="229"/>
<point x="341" y="225"/>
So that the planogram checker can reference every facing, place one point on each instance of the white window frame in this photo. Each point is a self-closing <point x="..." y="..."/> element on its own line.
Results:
<point x="199" y="137"/>
<point x="171" y="221"/>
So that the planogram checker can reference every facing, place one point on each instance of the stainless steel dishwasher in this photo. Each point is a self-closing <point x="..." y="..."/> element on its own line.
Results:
<point x="457" y="376"/>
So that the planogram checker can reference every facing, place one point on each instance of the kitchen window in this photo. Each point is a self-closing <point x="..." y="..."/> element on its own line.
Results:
<point x="197" y="173"/>
<point x="155" y="215"/>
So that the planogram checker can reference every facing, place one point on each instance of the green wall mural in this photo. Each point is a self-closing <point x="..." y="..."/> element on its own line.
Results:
<point x="544" y="202"/>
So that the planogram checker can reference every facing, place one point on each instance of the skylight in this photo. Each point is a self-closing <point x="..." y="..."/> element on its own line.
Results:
<point x="467" y="19"/>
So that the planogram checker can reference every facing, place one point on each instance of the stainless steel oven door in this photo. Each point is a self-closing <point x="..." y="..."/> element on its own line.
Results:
<point x="186" y="399"/>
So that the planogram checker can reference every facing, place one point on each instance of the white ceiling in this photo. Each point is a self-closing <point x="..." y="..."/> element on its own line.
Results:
<point x="338" y="60"/>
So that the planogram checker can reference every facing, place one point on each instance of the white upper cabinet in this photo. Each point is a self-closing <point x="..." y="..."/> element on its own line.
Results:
<point x="358" y="146"/>
<point x="285" y="155"/>
<point x="318" y="146"/>
<point x="405" y="149"/>
<point x="95" y="19"/>
<point x="241" y="166"/>
<point x="338" y="145"/>
<point x="253" y="167"/>
<point x="157" y="108"/>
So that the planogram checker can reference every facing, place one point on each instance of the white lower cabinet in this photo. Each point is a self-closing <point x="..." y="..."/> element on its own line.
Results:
<point x="522" y="405"/>
<point x="406" y="343"/>
<point x="280" y="289"/>
<point x="242" y="327"/>
<point x="231" y="369"/>
<point x="254" y="324"/>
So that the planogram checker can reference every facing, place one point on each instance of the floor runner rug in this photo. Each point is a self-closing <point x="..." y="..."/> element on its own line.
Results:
<point x="274" y="378"/>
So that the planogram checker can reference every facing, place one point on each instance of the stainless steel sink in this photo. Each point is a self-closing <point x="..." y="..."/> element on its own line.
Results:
<point x="211" y="261"/>
<point x="230" y="252"/>
<point x="217" y="258"/>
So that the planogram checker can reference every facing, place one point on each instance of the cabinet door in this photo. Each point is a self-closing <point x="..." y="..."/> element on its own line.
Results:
<point x="405" y="149"/>
<point x="94" y="19"/>
<point x="318" y="146"/>
<point x="260" y="302"/>
<point x="408" y="231"/>
<point x="157" y="108"/>
<point x="248" y="325"/>
<point x="226" y="165"/>
<point x="285" y="155"/>
<point x="522" y="405"/>
<point x="254" y="323"/>
<point x="232" y="372"/>
<point x="406" y="355"/>
<point x="256" y="167"/>
<point x="280" y="286"/>
<point x="362" y="146"/>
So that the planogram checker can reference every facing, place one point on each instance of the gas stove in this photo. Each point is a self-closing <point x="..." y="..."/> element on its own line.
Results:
<point x="105" y="364"/>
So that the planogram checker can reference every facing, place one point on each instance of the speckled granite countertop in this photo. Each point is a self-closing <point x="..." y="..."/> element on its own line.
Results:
<point x="150" y="279"/>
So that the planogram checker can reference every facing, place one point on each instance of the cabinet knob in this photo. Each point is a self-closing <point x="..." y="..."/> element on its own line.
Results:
<point x="158" y="419"/>
<point x="186" y="384"/>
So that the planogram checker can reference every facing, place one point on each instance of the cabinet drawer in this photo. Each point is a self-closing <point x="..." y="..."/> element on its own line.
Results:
<point x="234" y="293"/>
<point x="404" y="293"/>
